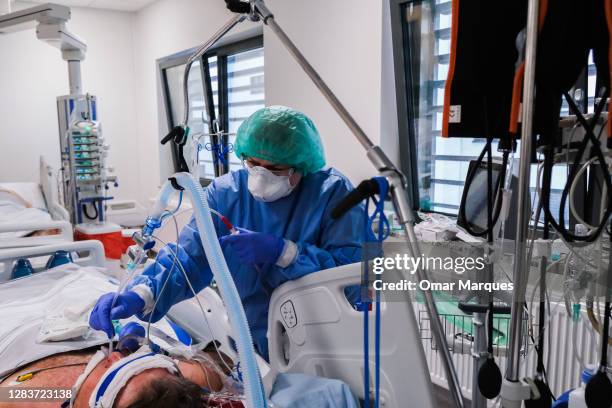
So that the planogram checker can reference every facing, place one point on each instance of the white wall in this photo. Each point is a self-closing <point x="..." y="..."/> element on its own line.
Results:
<point x="344" y="45"/>
<point x="33" y="74"/>
<point x="162" y="29"/>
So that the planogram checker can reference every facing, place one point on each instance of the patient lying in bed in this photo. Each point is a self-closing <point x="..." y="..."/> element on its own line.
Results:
<point x="187" y="387"/>
<point x="45" y="333"/>
<point x="16" y="209"/>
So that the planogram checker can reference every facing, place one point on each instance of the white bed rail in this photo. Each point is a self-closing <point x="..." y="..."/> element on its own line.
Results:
<point x="48" y="185"/>
<point x="127" y="213"/>
<point x="313" y="329"/>
<point x="84" y="253"/>
<point x="64" y="233"/>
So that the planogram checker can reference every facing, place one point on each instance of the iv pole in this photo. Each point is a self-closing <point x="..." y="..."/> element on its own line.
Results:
<point x="257" y="11"/>
<point x="513" y="390"/>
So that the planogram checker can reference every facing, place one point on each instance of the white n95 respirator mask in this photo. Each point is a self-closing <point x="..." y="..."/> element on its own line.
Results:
<point x="267" y="186"/>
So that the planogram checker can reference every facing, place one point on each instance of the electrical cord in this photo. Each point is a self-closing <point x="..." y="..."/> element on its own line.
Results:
<point x="549" y="162"/>
<point x="572" y="190"/>
<point x="84" y="206"/>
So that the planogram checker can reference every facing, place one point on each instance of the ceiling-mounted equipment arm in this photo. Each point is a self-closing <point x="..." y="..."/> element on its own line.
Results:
<point x="49" y="20"/>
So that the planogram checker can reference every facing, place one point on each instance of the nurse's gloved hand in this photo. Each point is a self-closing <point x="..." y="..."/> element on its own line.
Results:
<point x="130" y="337"/>
<point x="127" y="304"/>
<point x="254" y="247"/>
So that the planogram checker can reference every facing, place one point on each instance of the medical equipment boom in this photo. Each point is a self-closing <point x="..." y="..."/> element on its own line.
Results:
<point x="83" y="152"/>
<point x="258" y="11"/>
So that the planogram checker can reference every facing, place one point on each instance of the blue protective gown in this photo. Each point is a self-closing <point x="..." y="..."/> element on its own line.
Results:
<point x="304" y="217"/>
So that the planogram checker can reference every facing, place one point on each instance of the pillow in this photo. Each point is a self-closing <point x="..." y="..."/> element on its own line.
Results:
<point x="29" y="191"/>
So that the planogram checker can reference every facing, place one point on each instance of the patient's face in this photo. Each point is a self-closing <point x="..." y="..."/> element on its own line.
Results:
<point x="128" y="394"/>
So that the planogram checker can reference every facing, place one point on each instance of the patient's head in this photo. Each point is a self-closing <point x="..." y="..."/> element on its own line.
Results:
<point x="153" y="388"/>
<point x="161" y="392"/>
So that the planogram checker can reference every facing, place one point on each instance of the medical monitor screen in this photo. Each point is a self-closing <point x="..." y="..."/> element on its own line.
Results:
<point x="474" y="199"/>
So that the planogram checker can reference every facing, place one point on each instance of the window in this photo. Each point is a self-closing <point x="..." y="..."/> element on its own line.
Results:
<point x="225" y="87"/>
<point x="442" y="163"/>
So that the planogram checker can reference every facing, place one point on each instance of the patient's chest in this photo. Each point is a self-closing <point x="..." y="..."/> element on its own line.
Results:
<point x="61" y="373"/>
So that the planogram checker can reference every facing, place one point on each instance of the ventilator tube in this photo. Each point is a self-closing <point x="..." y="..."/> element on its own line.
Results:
<point x="208" y="236"/>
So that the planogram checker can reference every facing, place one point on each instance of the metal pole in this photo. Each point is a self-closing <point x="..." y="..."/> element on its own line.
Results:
<point x="454" y="385"/>
<point x="197" y="54"/>
<point x="524" y="213"/>
<point x="398" y="191"/>
<point x="74" y="77"/>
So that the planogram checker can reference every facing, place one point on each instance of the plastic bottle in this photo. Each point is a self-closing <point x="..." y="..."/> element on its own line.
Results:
<point x="22" y="268"/>
<point x="59" y="258"/>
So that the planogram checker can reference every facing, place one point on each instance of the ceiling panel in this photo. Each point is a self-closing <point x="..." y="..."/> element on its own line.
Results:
<point x="124" y="5"/>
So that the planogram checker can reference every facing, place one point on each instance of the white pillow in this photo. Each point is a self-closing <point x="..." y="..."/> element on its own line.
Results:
<point x="28" y="191"/>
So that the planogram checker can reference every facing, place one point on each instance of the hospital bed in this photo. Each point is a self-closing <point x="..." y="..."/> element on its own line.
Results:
<point x="53" y="216"/>
<point x="90" y="254"/>
<point x="313" y="329"/>
<point x="83" y="253"/>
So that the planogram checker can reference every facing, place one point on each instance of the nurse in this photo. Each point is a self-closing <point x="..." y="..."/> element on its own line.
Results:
<point x="281" y="200"/>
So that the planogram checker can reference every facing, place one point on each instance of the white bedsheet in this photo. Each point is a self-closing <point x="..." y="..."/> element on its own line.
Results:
<point x="53" y="304"/>
<point x="13" y="210"/>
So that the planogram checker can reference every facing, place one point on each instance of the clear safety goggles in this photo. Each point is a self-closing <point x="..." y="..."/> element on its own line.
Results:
<point x="249" y="163"/>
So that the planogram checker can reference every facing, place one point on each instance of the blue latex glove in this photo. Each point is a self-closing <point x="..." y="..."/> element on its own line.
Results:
<point x="128" y="304"/>
<point x="129" y="336"/>
<point x="254" y="247"/>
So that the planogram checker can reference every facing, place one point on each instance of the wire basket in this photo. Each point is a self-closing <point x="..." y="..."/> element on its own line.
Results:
<point x="458" y="331"/>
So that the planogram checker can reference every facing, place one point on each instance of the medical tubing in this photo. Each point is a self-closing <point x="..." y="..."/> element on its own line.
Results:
<point x="224" y="220"/>
<point x="195" y="295"/>
<point x="159" y="295"/>
<point x="210" y="243"/>
<point x="549" y="162"/>
<point x="572" y="190"/>
<point x="366" y="318"/>
<point x="132" y="266"/>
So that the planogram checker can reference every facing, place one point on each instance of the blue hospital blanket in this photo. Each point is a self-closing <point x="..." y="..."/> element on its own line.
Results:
<point x="306" y="391"/>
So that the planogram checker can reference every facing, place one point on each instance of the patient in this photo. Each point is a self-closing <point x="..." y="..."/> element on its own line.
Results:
<point x="14" y="208"/>
<point x="153" y="387"/>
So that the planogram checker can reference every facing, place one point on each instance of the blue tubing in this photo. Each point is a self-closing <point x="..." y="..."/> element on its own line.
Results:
<point x="252" y="380"/>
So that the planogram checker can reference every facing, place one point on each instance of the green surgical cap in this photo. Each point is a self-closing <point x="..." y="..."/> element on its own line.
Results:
<point x="281" y="135"/>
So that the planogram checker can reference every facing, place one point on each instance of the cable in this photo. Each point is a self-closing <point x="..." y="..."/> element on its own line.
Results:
<point x="173" y="253"/>
<point x="84" y="207"/>
<point x="573" y="188"/>
<point x="549" y="162"/>
<point x="159" y="295"/>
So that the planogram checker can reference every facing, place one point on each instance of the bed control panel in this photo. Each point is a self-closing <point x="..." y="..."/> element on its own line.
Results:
<point x="288" y="313"/>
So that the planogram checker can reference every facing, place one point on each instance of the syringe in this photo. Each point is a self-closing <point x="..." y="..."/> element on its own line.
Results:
<point x="225" y="222"/>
